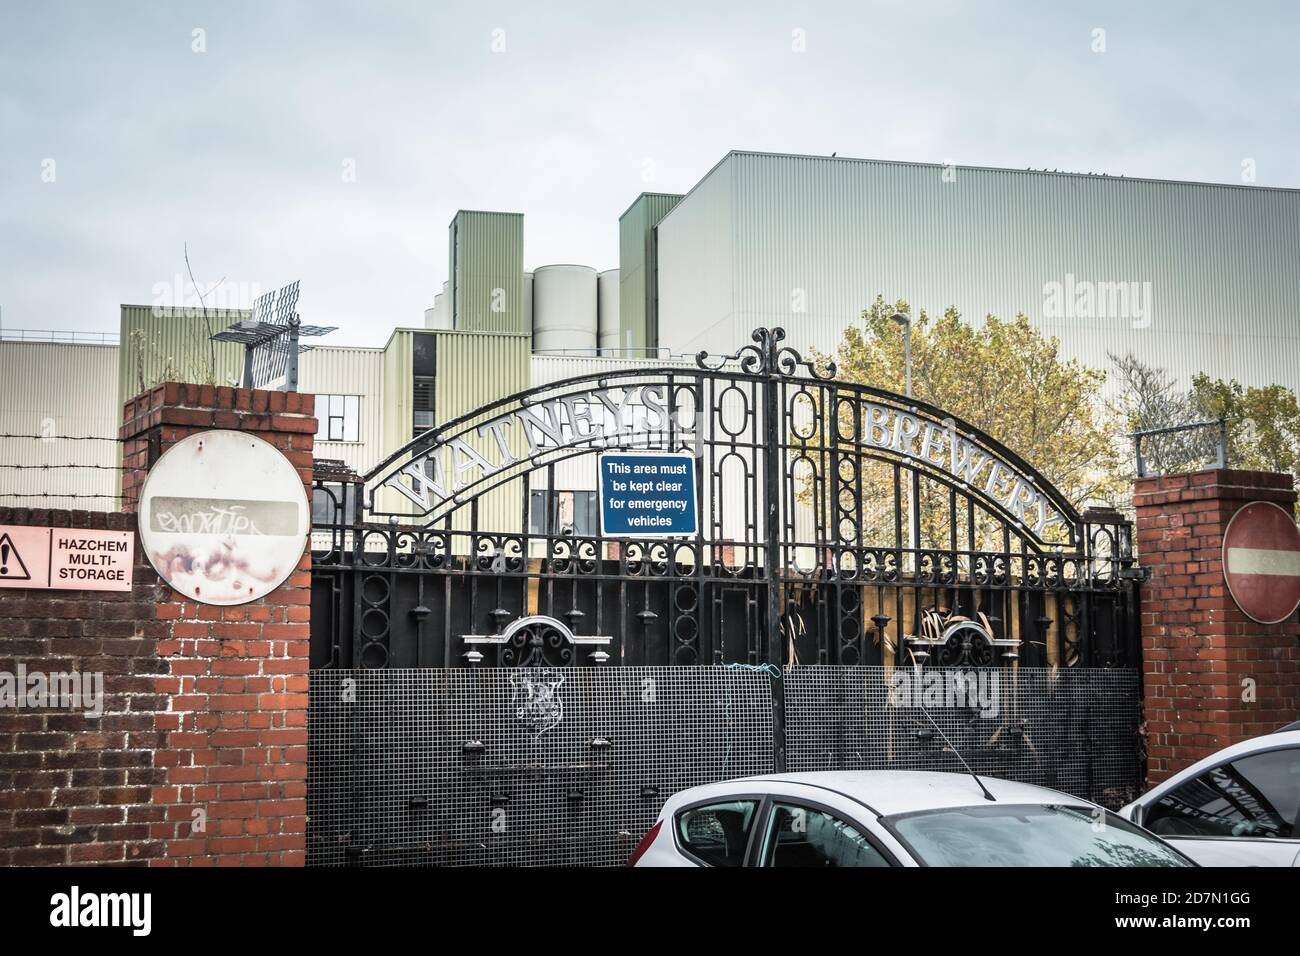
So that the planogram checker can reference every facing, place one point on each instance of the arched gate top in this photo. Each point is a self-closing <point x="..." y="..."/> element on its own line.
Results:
<point x="666" y="408"/>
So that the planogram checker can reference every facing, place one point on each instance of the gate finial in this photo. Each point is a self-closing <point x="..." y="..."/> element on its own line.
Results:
<point x="767" y="357"/>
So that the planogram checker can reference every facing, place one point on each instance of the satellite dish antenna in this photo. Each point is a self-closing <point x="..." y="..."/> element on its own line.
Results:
<point x="270" y="340"/>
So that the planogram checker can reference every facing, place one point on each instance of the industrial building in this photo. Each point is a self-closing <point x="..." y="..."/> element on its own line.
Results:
<point x="1191" y="277"/>
<point x="1188" y="276"/>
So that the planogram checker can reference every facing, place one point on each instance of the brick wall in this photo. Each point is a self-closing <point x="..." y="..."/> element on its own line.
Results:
<point x="200" y="756"/>
<point x="1200" y="652"/>
<point x="75" y="789"/>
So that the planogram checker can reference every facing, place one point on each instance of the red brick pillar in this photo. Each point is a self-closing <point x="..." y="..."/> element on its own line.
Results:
<point x="231" y="717"/>
<point x="1211" y="675"/>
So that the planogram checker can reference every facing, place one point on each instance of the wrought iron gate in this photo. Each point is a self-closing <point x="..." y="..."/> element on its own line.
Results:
<point x="839" y="524"/>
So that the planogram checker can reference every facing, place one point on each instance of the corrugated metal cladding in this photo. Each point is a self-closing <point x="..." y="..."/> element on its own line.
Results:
<point x="397" y="388"/>
<point x="164" y="342"/>
<point x="474" y="370"/>
<point x="487" y="270"/>
<point x="1208" y="271"/>
<point x="637" y="261"/>
<point x="554" y="368"/>
<point x="59" y="392"/>
<point x="349" y="371"/>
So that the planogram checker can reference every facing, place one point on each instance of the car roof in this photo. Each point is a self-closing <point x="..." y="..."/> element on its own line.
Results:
<point x="1273" y="741"/>
<point x="897" y="791"/>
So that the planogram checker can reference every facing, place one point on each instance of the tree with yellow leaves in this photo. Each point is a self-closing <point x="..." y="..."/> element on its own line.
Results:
<point x="1005" y="378"/>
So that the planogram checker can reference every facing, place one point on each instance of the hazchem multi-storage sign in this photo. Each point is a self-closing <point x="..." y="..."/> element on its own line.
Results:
<point x="66" y="559"/>
<point x="224" y="517"/>
<point x="648" y="495"/>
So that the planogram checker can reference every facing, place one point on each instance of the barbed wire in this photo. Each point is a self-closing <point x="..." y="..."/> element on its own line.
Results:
<point x="68" y="465"/>
<point x="54" y="438"/>
<point x="56" y="494"/>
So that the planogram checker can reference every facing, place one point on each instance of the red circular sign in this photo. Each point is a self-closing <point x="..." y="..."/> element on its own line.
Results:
<point x="1261" y="562"/>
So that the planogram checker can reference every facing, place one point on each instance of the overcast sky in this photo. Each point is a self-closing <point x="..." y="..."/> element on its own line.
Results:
<point x="334" y="142"/>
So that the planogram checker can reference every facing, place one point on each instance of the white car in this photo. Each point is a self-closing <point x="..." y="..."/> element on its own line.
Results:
<point x="891" y="818"/>
<point x="1238" y="807"/>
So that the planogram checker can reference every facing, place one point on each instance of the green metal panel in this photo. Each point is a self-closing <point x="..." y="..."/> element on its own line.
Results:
<point x="474" y="370"/>
<point x="171" y="344"/>
<point x="477" y="368"/>
<point x="637" y="262"/>
<point x="396" y="424"/>
<point x="487" y="270"/>
<point x="399" y="385"/>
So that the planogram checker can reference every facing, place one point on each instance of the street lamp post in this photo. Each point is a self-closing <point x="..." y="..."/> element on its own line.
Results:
<point x="906" y="322"/>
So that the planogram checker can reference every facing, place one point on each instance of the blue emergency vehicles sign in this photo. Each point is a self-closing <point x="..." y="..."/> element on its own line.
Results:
<point x="648" y="495"/>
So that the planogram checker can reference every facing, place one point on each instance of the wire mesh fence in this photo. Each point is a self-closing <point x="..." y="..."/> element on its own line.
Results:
<point x="570" y="766"/>
<point x="518" y="767"/>
<point x="1072" y="729"/>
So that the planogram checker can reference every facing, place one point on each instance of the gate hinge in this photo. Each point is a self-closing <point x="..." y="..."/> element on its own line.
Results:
<point x="1138" y="574"/>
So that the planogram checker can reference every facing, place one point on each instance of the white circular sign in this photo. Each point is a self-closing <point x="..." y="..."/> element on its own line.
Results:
<point x="224" y="517"/>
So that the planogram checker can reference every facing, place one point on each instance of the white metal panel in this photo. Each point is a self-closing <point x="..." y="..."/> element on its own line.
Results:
<point x="808" y="242"/>
<point x="59" y="392"/>
<point x="553" y="368"/>
<point x="349" y="371"/>
<point x="695" y="254"/>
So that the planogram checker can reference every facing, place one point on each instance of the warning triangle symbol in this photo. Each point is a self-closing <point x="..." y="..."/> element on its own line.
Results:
<point x="12" y="567"/>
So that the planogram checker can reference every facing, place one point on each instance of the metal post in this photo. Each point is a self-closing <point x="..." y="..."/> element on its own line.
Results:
<point x="291" y="367"/>
<point x="907" y="359"/>
<point x="772" y="565"/>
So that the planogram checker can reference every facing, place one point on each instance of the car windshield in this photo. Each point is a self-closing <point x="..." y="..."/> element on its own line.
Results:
<point x="1029" y="835"/>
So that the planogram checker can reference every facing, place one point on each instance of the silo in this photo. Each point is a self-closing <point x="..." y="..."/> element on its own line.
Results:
<point x="564" y="308"/>
<point x="439" y="317"/>
<point x="528" y="300"/>
<point x="607" y="311"/>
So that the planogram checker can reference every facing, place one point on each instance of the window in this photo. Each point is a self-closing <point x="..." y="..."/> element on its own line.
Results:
<point x="422" y="402"/>
<point x="803" y="836"/>
<point x="1256" y="797"/>
<point x="563" y="512"/>
<point x="717" y="834"/>
<point x="338" y="417"/>
<point x="1005" y="834"/>
<point x="333" y="503"/>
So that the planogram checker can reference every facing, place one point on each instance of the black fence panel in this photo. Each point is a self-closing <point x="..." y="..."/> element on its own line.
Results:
<point x="1074" y="729"/>
<point x="570" y="766"/>
<point x="526" y="766"/>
